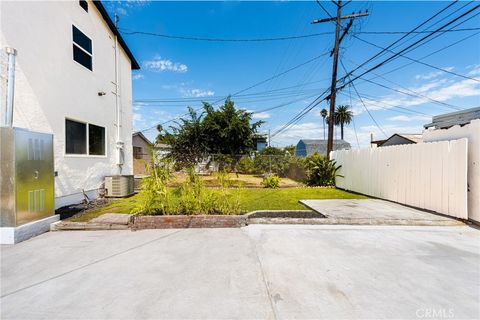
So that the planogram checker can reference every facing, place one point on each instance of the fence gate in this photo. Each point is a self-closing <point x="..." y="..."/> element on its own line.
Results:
<point x="430" y="176"/>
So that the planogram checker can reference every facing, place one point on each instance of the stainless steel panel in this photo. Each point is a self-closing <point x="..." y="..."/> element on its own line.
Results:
<point x="34" y="176"/>
<point x="7" y="178"/>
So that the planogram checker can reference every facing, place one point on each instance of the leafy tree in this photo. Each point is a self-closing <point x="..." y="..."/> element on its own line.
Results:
<point x="228" y="130"/>
<point x="187" y="140"/>
<point x="343" y="116"/>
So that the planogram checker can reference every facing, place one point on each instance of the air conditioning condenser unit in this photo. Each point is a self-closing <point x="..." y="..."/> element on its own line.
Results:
<point x="119" y="186"/>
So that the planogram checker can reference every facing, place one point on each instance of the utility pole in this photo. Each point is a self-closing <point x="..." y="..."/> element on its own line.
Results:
<point x="338" y="39"/>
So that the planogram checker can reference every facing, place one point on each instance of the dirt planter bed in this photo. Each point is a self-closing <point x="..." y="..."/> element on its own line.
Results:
<point x="193" y="221"/>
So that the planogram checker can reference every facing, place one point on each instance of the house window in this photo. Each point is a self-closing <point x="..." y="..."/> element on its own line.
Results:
<point x="83" y="4"/>
<point x="96" y="140"/>
<point x="137" y="152"/>
<point x="82" y="48"/>
<point x="77" y="138"/>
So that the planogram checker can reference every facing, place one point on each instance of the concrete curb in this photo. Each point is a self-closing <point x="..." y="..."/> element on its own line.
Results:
<point x="72" y="226"/>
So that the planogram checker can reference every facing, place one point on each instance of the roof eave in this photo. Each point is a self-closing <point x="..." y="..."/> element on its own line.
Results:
<point x="98" y="4"/>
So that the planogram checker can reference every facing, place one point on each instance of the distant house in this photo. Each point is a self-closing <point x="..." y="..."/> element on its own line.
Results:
<point x="307" y="147"/>
<point x="142" y="148"/>
<point x="398" y="139"/>
<point x="260" y="142"/>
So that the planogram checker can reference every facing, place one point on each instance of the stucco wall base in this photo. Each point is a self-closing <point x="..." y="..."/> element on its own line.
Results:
<point x="75" y="198"/>
<point x="10" y="235"/>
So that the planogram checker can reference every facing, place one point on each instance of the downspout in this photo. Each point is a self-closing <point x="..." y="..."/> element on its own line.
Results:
<point x="119" y="143"/>
<point x="8" y="120"/>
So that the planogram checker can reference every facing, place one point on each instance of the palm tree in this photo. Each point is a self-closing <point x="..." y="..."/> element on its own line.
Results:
<point x="324" y="114"/>
<point x="343" y="116"/>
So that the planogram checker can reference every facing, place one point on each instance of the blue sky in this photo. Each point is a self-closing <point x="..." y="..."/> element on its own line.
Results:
<point x="180" y="73"/>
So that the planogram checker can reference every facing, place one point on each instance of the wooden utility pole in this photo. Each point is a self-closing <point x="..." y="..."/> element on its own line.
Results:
<point x="338" y="40"/>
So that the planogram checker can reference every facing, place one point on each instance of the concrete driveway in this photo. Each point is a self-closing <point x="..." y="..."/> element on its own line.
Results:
<point x="261" y="272"/>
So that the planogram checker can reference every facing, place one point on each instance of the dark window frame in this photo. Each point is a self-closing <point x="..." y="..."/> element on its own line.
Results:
<point x="83" y="4"/>
<point x="82" y="51"/>
<point x="87" y="142"/>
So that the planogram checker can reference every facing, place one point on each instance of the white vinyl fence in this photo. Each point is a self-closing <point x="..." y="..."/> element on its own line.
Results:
<point x="430" y="176"/>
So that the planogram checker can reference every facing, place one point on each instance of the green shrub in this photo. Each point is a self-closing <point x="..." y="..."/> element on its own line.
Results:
<point x="154" y="194"/>
<point x="224" y="179"/>
<point x="320" y="171"/>
<point x="195" y="198"/>
<point x="245" y="165"/>
<point x="271" y="182"/>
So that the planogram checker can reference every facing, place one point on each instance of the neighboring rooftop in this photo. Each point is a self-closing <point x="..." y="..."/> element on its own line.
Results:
<point x="141" y="135"/>
<point x="399" y="139"/>
<point x="460" y="118"/>
<point x="98" y="4"/>
<point x="307" y="147"/>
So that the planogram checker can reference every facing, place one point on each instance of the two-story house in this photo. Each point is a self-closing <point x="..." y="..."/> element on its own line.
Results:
<point x="73" y="80"/>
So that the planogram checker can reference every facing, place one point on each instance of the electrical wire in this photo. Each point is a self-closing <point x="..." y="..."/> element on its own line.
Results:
<point x="361" y="100"/>
<point x="246" y="89"/>
<point x="403" y="50"/>
<point x="418" y="61"/>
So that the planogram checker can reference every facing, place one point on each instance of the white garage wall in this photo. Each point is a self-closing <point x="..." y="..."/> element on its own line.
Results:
<point x="472" y="132"/>
<point x="430" y="176"/>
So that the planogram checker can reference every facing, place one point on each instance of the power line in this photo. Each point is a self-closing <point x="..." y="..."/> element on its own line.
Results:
<point x="417" y="61"/>
<point x="412" y="92"/>
<point x="408" y="33"/>
<point x="430" y="54"/>
<point x="248" y="88"/>
<point x="161" y="35"/>
<point x="415" y="32"/>
<point x="301" y="114"/>
<point x="403" y="50"/>
<point x="361" y="100"/>
<point x="192" y="38"/>
<point x="353" y="118"/>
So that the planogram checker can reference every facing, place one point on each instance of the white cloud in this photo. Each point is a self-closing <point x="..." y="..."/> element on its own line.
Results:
<point x="159" y="64"/>
<point x="261" y="115"/>
<point x="137" y="76"/>
<point x="122" y="7"/>
<point x="441" y="90"/>
<point x="197" y="93"/>
<point x="406" y="118"/>
<point x="432" y="75"/>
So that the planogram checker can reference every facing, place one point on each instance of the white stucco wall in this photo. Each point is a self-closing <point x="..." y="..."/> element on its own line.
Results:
<point x="472" y="133"/>
<point x="50" y="86"/>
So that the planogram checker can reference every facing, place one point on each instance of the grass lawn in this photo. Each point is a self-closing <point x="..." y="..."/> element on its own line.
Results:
<point x="250" y="199"/>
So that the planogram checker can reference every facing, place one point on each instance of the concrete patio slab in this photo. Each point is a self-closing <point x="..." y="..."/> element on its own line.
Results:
<point x="256" y="272"/>
<point x="374" y="211"/>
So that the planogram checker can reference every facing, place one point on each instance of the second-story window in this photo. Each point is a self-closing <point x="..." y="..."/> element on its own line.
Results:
<point x="82" y="48"/>
<point x="83" y="4"/>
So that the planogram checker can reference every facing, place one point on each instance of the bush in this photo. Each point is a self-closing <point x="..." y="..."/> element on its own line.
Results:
<point x="271" y="182"/>
<point x="320" y="171"/>
<point x="154" y="192"/>
<point x="245" y="165"/>
<point x="272" y="160"/>
<point x="195" y="198"/>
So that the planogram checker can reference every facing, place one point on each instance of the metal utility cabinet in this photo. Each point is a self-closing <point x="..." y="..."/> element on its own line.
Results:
<point x="27" y="176"/>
